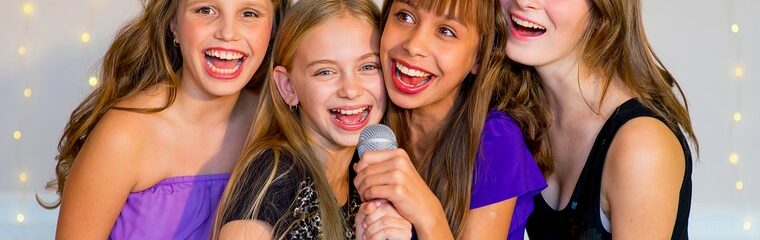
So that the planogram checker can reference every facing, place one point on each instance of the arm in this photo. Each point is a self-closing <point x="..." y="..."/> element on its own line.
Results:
<point x="246" y="229"/>
<point x="491" y="221"/>
<point x="642" y="180"/>
<point x="98" y="183"/>
<point x="390" y="175"/>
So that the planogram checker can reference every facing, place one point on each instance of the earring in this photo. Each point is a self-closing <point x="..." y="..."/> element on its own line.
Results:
<point x="176" y="44"/>
<point x="293" y="107"/>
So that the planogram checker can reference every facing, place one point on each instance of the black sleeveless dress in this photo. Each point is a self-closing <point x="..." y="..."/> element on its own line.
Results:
<point x="580" y="219"/>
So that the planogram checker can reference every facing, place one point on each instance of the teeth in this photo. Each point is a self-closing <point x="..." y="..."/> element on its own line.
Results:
<point x="527" y="24"/>
<point x="411" y="72"/>
<point x="226" y="55"/>
<point x="349" y="112"/>
<point x="221" y="70"/>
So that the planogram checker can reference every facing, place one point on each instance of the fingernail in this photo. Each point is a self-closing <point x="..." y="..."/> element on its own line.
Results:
<point x="377" y="203"/>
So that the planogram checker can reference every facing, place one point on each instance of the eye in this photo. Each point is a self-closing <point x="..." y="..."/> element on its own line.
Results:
<point x="250" y="13"/>
<point x="324" y="72"/>
<point x="447" y="32"/>
<point x="205" y="10"/>
<point x="405" y="17"/>
<point x="369" y="67"/>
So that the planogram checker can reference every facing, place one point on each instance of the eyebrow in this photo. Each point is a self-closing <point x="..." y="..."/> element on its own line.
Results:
<point x="414" y="4"/>
<point x="371" y="54"/>
<point x="320" y="62"/>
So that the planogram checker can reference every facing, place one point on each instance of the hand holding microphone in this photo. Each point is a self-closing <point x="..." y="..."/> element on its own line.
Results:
<point x="387" y="173"/>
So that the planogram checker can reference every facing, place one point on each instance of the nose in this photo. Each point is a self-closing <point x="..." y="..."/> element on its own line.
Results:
<point x="227" y="29"/>
<point x="527" y="4"/>
<point x="416" y="43"/>
<point x="350" y="86"/>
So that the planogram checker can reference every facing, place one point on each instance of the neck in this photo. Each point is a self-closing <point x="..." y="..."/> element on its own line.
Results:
<point x="198" y="107"/>
<point x="426" y="122"/>
<point x="335" y="160"/>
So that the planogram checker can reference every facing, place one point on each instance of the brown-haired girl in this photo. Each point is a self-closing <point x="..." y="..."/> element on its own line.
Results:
<point x="147" y="155"/>
<point x="616" y="160"/>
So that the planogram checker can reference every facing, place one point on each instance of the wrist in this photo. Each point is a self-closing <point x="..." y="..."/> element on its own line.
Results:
<point x="434" y="226"/>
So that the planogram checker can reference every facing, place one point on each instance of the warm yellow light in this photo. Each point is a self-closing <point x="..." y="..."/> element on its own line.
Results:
<point x="23" y="177"/>
<point x="739" y="185"/>
<point x="27" y="92"/>
<point x="737" y="116"/>
<point x="20" y="217"/>
<point x="747" y="226"/>
<point x="733" y="158"/>
<point x="22" y="51"/>
<point x="93" y="81"/>
<point x="17" y="134"/>
<point x="28" y="9"/>
<point x="735" y="28"/>
<point x="739" y="72"/>
<point x="85" y="37"/>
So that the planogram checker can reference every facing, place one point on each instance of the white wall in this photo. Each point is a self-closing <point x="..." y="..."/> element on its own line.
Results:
<point x="692" y="37"/>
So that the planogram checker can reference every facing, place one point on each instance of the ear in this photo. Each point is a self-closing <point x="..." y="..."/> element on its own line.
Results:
<point x="173" y="27"/>
<point x="285" y="85"/>
<point x="475" y="68"/>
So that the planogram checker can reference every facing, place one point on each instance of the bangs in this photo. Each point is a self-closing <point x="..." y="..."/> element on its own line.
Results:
<point x="464" y="10"/>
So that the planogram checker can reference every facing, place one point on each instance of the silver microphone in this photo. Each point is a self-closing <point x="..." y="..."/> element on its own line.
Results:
<point x="376" y="137"/>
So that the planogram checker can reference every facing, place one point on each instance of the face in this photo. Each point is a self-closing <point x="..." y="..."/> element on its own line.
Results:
<point x="223" y="42"/>
<point x="425" y="56"/>
<point x="335" y="77"/>
<point x="542" y="32"/>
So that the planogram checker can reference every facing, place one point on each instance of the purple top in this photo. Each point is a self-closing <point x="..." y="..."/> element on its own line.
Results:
<point x="505" y="169"/>
<point x="175" y="208"/>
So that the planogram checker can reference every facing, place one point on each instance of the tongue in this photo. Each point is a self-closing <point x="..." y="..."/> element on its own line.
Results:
<point x="526" y="31"/>
<point x="223" y="64"/>
<point x="355" y="118"/>
<point x="412" y="80"/>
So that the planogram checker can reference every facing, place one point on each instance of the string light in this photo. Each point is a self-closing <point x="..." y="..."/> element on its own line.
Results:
<point x="739" y="185"/>
<point x="23" y="177"/>
<point x="737" y="116"/>
<point x="22" y="51"/>
<point x="17" y="134"/>
<point x="85" y="37"/>
<point x="28" y="9"/>
<point x="93" y="81"/>
<point x="20" y="217"/>
<point x="27" y="92"/>
<point x="733" y="158"/>
<point x="739" y="72"/>
<point x="747" y="226"/>
<point x="735" y="28"/>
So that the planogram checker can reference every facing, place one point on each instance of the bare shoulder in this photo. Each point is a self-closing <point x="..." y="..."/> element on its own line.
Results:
<point x="246" y="229"/>
<point x="646" y="142"/>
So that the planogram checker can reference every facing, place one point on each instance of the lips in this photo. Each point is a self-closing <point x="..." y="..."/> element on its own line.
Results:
<point x="522" y="28"/>
<point x="350" y="118"/>
<point x="410" y="79"/>
<point x="224" y="63"/>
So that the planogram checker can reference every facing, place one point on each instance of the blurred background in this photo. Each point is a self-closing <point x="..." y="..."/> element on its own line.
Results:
<point x="50" y="51"/>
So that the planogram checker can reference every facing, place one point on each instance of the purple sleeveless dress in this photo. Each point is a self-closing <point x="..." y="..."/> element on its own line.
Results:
<point x="175" y="208"/>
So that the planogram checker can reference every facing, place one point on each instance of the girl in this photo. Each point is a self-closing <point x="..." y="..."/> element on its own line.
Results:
<point x="442" y="61"/>
<point x="146" y="155"/>
<point x="326" y="86"/>
<point x="619" y="164"/>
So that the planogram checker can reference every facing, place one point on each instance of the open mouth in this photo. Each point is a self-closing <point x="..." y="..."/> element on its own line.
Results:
<point x="224" y="63"/>
<point x="526" y="28"/>
<point x="409" y="79"/>
<point x="350" y="118"/>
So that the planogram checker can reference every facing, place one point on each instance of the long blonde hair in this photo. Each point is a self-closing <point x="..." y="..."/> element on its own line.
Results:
<point x="281" y="130"/>
<point x="448" y="168"/>
<point x="141" y="56"/>
<point x="614" y="44"/>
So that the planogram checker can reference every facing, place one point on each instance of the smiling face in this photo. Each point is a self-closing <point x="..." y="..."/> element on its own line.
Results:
<point x="426" y="56"/>
<point x="335" y="77"/>
<point x="223" y="42"/>
<point x="545" y="32"/>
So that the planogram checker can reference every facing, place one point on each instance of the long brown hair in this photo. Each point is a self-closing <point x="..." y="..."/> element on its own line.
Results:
<point x="281" y="130"/>
<point x="141" y="56"/>
<point x="448" y="168"/>
<point x="614" y="44"/>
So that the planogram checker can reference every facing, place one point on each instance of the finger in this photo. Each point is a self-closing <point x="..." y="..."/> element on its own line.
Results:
<point x="389" y="233"/>
<point x="369" y="208"/>
<point x="383" y="210"/>
<point x="390" y="177"/>
<point x="392" y="193"/>
<point x="372" y="157"/>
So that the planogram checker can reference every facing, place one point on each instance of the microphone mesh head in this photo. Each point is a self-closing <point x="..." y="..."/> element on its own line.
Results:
<point x="376" y="137"/>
